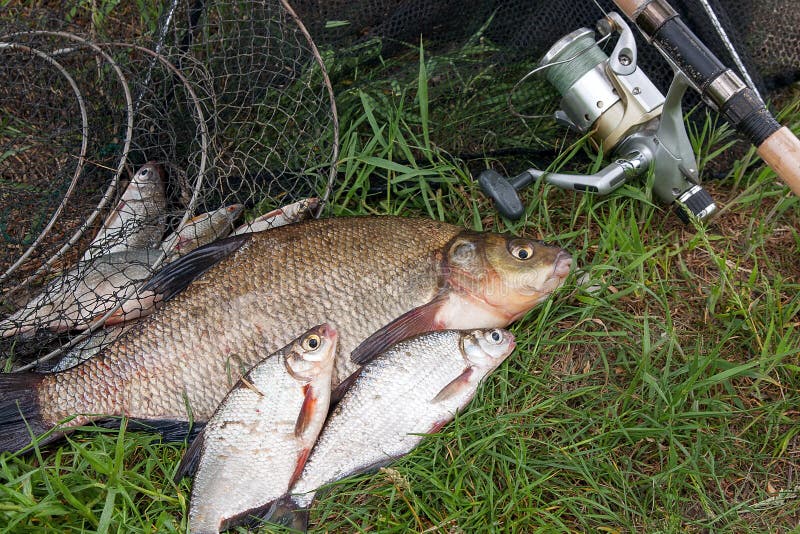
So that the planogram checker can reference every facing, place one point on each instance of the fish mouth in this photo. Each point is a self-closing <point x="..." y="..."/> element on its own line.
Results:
<point x="562" y="265"/>
<point x="327" y="331"/>
<point x="158" y="167"/>
<point x="512" y="344"/>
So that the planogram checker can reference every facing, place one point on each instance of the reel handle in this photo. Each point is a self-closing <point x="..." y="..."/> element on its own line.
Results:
<point x="504" y="191"/>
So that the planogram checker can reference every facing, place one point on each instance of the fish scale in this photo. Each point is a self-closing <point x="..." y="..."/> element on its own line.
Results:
<point x="260" y="434"/>
<point x="411" y="389"/>
<point x="246" y="298"/>
<point x="376" y="280"/>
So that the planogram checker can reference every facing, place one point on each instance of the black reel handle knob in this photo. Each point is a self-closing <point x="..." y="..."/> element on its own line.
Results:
<point x="504" y="191"/>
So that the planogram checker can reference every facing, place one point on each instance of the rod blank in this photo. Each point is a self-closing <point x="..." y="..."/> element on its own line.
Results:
<point x="719" y="86"/>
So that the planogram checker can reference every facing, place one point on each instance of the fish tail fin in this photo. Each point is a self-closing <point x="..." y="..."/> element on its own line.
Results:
<point x="286" y="512"/>
<point x="21" y="418"/>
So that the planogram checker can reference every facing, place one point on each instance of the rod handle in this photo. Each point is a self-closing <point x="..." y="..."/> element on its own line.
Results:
<point x="781" y="151"/>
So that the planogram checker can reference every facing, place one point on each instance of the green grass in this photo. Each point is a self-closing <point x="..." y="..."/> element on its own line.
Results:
<point x="659" y="394"/>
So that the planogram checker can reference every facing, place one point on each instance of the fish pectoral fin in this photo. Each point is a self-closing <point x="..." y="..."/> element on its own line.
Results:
<point x="302" y="456"/>
<point x="176" y="276"/>
<point x="191" y="458"/>
<point x="455" y="387"/>
<point x="306" y="411"/>
<point x="417" y="321"/>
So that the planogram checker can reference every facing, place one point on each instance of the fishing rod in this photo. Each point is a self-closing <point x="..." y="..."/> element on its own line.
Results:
<point x="720" y="87"/>
<point x="610" y="99"/>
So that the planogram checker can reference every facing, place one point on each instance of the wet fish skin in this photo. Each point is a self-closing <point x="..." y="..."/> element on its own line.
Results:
<point x="257" y="441"/>
<point x="76" y="299"/>
<point x="414" y="388"/>
<point x="377" y="280"/>
<point x="138" y="220"/>
<point x="89" y="347"/>
<point x="289" y="214"/>
<point x="201" y="230"/>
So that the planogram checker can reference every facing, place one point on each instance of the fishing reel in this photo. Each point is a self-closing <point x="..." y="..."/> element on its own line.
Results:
<point x="612" y="99"/>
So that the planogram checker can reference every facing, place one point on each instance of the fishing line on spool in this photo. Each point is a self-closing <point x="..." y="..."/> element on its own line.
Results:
<point x="573" y="67"/>
<point x="578" y="67"/>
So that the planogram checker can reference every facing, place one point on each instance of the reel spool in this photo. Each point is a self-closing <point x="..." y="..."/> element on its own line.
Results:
<point x="613" y="100"/>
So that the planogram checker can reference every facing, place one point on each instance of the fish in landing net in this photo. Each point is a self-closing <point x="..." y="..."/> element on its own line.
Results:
<point x="256" y="443"/>
<point x="391" y="404"/>
<point x="138" y="220"/>
<point x="377" y="280"/>
<point x="201" y="230"/>
<point x="289" y="214"/>
<point x="77" y="298"/>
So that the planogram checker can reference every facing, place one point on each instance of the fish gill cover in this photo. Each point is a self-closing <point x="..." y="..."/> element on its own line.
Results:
<point x="229" y="100"/>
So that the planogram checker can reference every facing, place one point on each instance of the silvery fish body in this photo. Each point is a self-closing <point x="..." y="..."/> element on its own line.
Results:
<point x="257" y="441"/>
<point x="377" y="280"/>
<point x="290" y="214"/>
<point x="76" y="299"/>
<point x="201" y="230"/>
<point x="414" y="388"/>
<point x="138" y="220"/>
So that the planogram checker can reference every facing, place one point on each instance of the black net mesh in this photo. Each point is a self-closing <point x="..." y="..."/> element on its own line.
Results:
<point x="228" y="100"/>
<point x="763" y="34"/>
<point x="232" y="103"/>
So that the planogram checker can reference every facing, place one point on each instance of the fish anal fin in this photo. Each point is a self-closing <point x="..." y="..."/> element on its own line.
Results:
<point x="306" y="411"/>
<point x="191" y="458"/>
<point x="176" y="276"/>
<point x="455" y="387"/>
<point x="417" y="321"/>
<point x="170" y="429"/>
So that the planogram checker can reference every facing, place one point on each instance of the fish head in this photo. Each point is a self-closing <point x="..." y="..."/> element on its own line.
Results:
<point x="147" y="182"/>
<point x="303" y="209"/>
<point x="485" y="349"/>
<point x="226" y="215"/>
<point x="506" y="275"/>
<point x="312" y="354"/>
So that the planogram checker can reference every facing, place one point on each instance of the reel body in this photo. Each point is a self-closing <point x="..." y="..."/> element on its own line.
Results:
<point x="613" y="101"/>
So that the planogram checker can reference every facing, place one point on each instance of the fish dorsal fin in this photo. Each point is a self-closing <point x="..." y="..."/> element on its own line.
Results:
<point x="176" y="276"/>
<point x="417" y="321"/>
<point x="344" y="385"/>
<point x="455" y="387"/>
<point x="191" y="458"/>
<point x="306" y="411"/>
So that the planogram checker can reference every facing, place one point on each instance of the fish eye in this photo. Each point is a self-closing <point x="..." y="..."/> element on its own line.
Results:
<point x="521" y="250"/>
<point x="312" y="342"/>
<point x="494" y="336"/>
